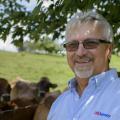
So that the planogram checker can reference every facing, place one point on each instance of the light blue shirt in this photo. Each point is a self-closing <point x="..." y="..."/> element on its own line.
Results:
<point x="99" y="101"/>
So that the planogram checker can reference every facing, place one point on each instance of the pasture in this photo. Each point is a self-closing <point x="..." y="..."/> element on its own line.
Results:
<point x="33" y="66"/>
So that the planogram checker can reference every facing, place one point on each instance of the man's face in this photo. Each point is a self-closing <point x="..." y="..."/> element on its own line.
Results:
<point x="87" y="62"/>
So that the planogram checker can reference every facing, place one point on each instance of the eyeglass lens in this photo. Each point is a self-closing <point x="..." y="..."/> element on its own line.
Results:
<point x="87" y="44"/>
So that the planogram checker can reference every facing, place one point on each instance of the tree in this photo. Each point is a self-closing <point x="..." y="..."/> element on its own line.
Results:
<point x="45" y="45"/>
<point x="16" y="20"/>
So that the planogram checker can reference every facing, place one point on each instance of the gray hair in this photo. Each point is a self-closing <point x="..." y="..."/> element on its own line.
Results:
<point x="90" y="16"/>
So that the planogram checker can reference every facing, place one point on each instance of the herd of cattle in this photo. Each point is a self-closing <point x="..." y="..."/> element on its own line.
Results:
<point x="21" y="100"/>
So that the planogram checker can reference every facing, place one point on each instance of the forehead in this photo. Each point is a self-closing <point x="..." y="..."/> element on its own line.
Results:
<point x="86" y="30"/>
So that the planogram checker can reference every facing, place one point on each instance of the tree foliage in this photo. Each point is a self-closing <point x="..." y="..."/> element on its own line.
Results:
<point x="45" y="45"/>
<point x="17" y="21"/>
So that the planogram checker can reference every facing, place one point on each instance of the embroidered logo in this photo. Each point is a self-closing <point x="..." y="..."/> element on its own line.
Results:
<point x="102" y="114"/>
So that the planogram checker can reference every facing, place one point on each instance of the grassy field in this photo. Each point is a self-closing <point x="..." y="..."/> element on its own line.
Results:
<point x="33" y="66"/>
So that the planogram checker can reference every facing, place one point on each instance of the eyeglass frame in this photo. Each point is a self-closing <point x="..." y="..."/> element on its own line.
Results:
<point x="98" y="41"/>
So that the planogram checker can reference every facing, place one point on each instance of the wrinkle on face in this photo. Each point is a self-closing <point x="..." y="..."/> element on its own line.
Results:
<point x="79" y="29"/>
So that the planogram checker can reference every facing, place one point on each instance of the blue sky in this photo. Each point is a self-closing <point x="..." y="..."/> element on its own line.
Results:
<point x="30" y="5"/>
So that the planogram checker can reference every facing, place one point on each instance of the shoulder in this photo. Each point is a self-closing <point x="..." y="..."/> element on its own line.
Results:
<point x="113" y="90"/>
<point x="65" y="95"/>
<point x="116" y="84"/>
<point x="60" y="102"/>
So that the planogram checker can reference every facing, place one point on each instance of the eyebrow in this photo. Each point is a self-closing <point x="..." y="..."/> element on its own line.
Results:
<point x="101" y="40"/>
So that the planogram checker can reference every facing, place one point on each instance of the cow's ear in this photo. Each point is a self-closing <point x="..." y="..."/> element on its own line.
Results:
<point x="8" y="88"/>
<point x="53" y="85"/>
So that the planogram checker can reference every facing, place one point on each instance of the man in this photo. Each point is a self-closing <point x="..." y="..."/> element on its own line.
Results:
<point x="94" y="92"/>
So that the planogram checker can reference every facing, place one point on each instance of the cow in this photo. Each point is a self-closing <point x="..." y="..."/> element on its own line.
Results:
<point x="43" y="108"/>
<point x="26" y="93"/>
<point x="44" y="86"/>
<point x="21" y="104"/>
<point x="26" y="113"/>
<point x="25" y="97"/>
<point x="23" y="89"/>
<point x="5" y="89"/>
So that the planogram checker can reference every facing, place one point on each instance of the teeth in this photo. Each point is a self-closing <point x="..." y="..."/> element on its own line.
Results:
<point x="84" y="60"/>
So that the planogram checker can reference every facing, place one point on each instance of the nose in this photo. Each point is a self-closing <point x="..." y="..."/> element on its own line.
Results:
<point x="81" y="51"/>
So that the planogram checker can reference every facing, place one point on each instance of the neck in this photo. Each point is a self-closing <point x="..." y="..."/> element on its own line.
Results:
<point x="81" y="85"/>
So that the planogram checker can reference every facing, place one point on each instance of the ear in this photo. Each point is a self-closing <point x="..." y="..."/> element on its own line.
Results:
<point x="109" y="51"/>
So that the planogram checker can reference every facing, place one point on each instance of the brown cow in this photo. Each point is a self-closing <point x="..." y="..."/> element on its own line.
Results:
<point x="24" y="96"/>
<point x="44" y="106"/>
<point x="26" y="93"/>
<point x="23" y="89"/>
<point x="21" y="105"/>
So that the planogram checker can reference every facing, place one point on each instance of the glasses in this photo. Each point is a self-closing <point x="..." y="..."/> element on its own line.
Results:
<point x="87" y="44"/>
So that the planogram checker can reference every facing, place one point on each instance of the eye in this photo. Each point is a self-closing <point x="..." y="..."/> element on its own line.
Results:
<point x="90" y="44"/>
<point x="71" y="46"/>
<point x="73" y="43"/>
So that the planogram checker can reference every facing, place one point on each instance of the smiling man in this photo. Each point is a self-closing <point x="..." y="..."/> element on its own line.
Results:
<point x="94" y="92"/>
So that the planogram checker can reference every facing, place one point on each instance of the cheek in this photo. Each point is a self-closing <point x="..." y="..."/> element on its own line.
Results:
<point x="70" y="59"/>
<point x="101" y="59"/>
<point x="102" y="54"/>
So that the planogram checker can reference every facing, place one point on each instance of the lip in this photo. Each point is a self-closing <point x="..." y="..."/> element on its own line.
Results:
<point x="87" y="60"/>
<point x="83" y="62"/>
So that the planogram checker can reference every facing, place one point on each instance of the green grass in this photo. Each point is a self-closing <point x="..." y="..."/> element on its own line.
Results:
<point x="33" y="66"/>
<point x="115" y="62"/>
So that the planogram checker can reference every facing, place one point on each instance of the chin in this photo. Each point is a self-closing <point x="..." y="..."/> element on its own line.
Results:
<point x="83" y="73"/>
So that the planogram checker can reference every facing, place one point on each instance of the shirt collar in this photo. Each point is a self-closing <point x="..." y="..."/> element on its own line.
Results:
<point x="72" y="83"/>
<point x="103" y="77"/>
<point x="97" y="80"/>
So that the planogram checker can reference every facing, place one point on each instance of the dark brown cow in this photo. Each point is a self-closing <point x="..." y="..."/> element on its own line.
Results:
<point x="25" y="113"/>
<point x="4" y="90"/>
<point x="4" y="94"/>
<point x="44" y="86"/>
